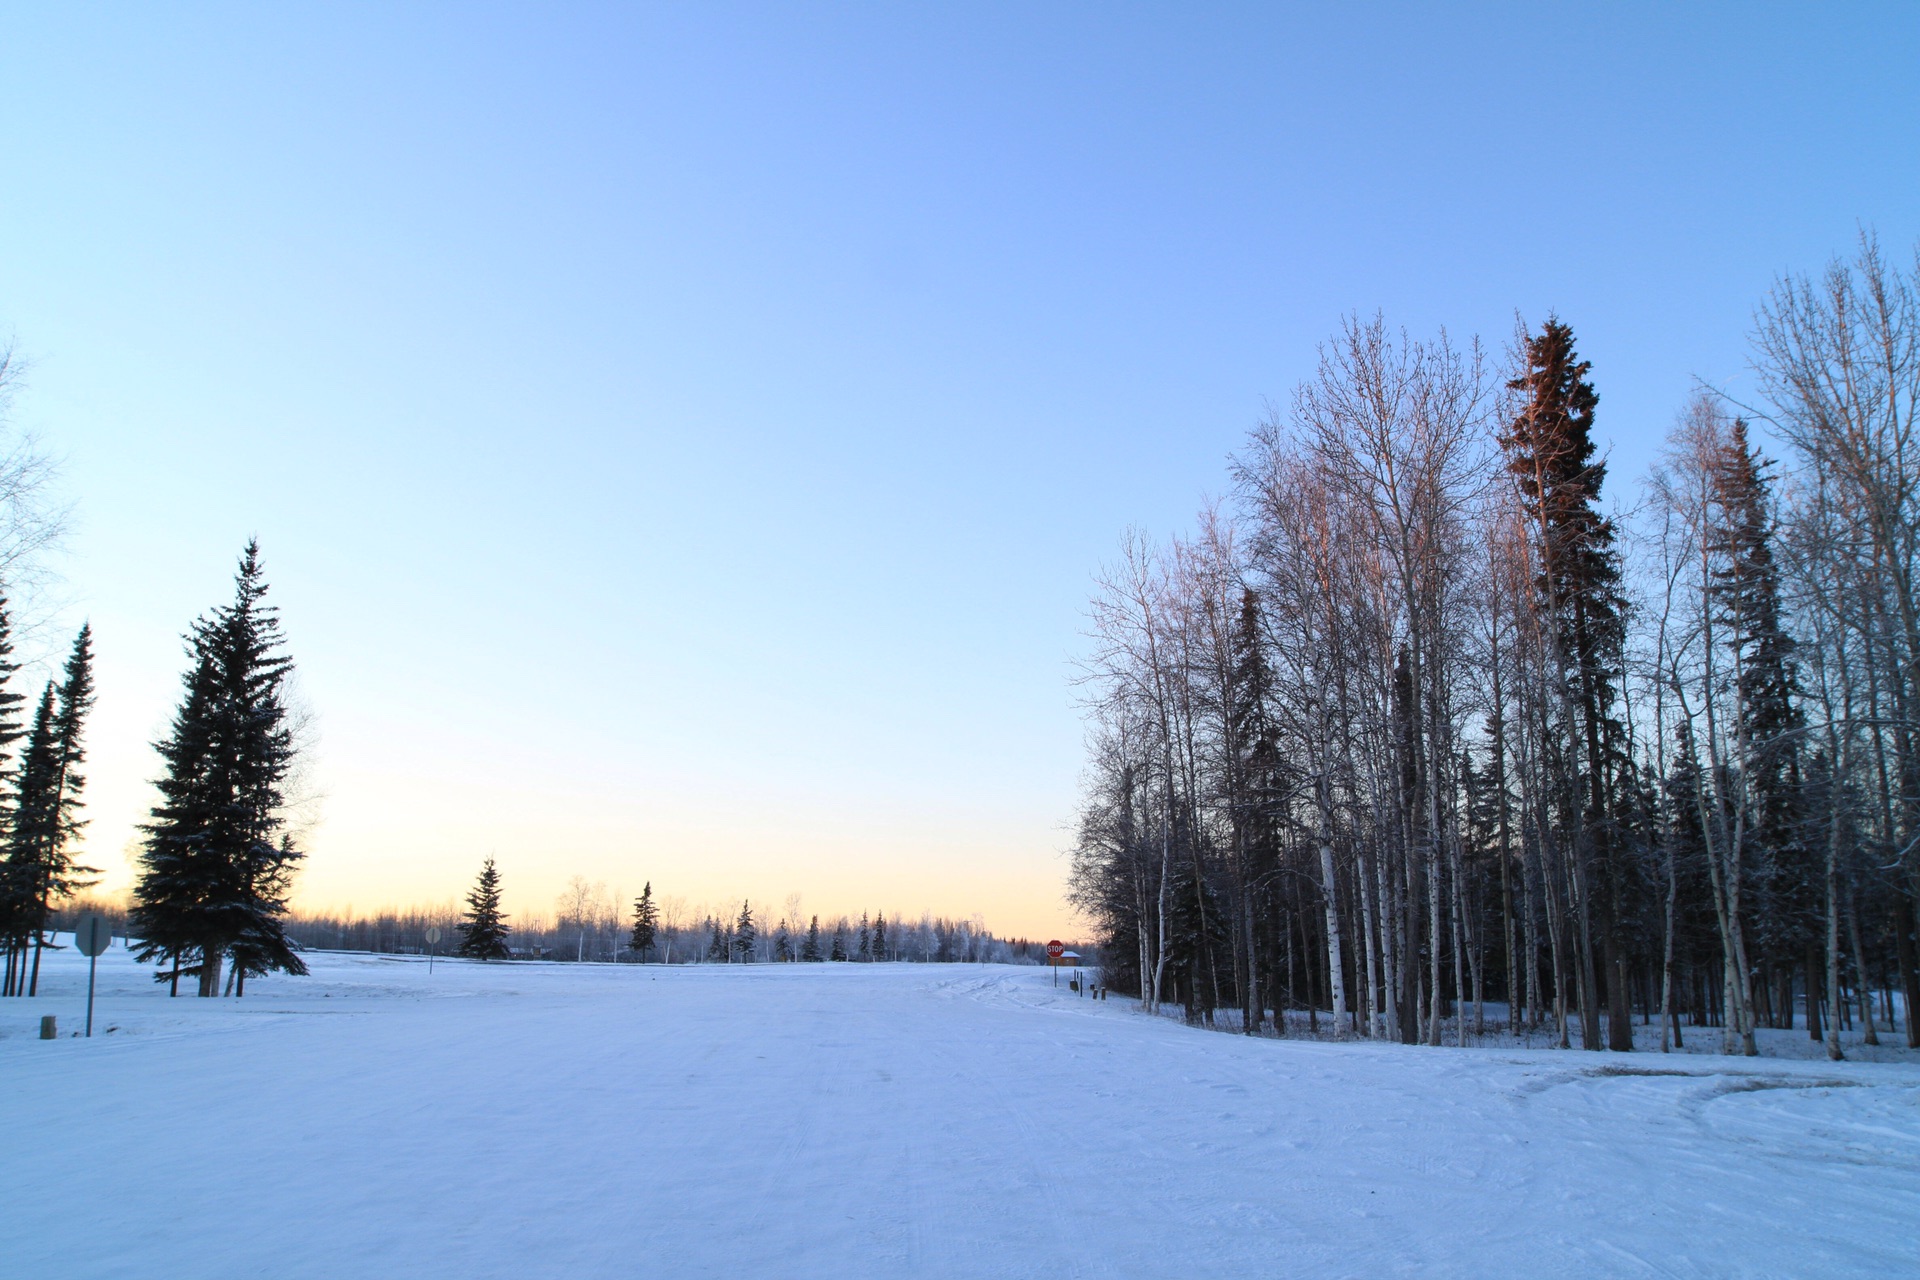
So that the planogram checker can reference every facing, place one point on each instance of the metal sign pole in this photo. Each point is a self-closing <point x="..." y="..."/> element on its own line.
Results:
<point x="92" y="935"/>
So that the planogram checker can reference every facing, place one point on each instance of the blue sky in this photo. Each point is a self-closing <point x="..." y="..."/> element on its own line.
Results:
<point x="681" y="437"/>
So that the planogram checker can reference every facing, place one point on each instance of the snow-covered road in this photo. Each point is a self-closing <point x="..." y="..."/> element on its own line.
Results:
<point x="892" y="1120"/>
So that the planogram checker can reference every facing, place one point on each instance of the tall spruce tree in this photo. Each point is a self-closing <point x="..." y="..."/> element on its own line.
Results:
<point x="646" y="922"/>
<point x="12" y="701"/>
<point x="177" y="864"/>
<point x="252" y="660"/>
<point x="1745" y="593"/>
<point x="216" y="867"/>
<point x="810" y="949"/>
<point x="23" y="870"/>
<point x="14" y="895"/>
<point x="878" y="944"/>
<point x="1685" y="781"/>
<point x="1551" y="455"/>
<point x="1253" y="780"/>
<point x="839" y="951"/>
<point x="484" y="929"/>
<point x="745" y="934"/>
<point x="47" y="801"/>
<point x="716" y="941"/>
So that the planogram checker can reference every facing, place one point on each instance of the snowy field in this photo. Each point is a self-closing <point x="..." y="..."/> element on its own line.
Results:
<point x="539" y="1120"/>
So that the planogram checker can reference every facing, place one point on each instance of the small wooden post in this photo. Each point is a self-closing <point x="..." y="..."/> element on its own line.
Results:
<point x="47" y="1029"/>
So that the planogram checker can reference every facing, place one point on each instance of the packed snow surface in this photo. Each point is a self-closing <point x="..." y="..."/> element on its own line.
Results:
<point x="536" y="1120"/>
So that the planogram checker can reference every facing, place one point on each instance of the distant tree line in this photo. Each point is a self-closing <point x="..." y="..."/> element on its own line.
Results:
<point x="587" y="927"/>
<point x="1421" y="722"/>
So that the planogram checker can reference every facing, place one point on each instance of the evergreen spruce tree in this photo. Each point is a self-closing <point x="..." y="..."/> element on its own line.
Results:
<point x="255" y="668"/>
<point x="24" y="870"/>
<point x="1481" y="814"/>
<point x="14" y="915"/>
<point x="839" y="951"/>
<point x="47" y="804"/>
<point x="1551" y="455"/>
<point x="177" y="863"/>
<point x="216" y="869"/>
<point x="1195" y="927"/>
<point x="1746" y="595"/>
<point x="810" y="949"/>
<point x="745" y="934"/>
<point x="783" y="943"/>
<point x="879" y="942"/>
<point x="717" y="943"/>
<point x="865" y="950"/>
<point x="12" y="701"/>
<point x="646" y="922"/>
<point x="1253" y="780"/>
<point x="267" y="884"/>
<point x="1696" y="934"/>
<point x="14" y="880"/>
<point x="483" y="930"/>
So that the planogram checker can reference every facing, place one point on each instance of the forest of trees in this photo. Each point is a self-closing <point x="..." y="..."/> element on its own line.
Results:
<point x="40" y="816"/>
<point x="217" y="862"/>
<point x="1432" y="716"/>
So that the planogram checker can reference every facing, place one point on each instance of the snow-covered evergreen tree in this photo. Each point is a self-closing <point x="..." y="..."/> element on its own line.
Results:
<point x="877" y="945"/>
<point x="810" y="949"/>
<point x="839" y="951"/>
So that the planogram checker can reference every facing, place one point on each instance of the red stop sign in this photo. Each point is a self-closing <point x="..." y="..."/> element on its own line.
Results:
<point x="1056" y="949"/>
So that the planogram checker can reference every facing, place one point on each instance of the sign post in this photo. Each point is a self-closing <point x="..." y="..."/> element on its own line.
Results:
<point x="1055" y="949"/>
<point x="91" y="936"/>
<point x="433" y="936"/>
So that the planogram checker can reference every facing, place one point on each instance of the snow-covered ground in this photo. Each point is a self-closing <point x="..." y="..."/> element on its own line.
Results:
<point x="1771" y="1042"/>
<point x="536" y="1120"/>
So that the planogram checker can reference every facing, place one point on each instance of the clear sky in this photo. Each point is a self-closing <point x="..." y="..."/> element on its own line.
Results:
<point x="681" y="437"/>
